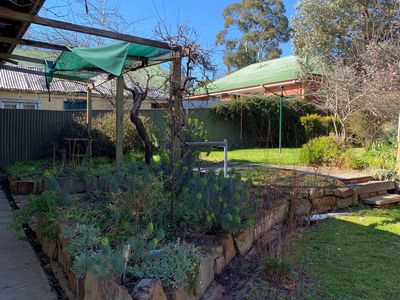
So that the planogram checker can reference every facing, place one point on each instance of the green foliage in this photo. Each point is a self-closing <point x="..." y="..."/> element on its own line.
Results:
<point x="277" y="270"/>
<point x="260" y="119"/>
<point x="321" y="151"/>
<point x="211" y="202"/>
<point x="328" y="28"/>
<point x="262" y="26"/>
<point x="316" y="125"/>
<point x="104" y="133"/>
<point x="379" y="159"/>
<point x="91" y="252"/>
<point x="44" y="207"/>
<point x="175" y="264"/>
<point x="29" y="169"/>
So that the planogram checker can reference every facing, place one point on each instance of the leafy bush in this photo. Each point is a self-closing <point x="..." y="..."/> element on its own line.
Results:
<point x="104" y="134"/>
<point x="211" y="202"/>
<point x="260" y="119"/>
<point x="316" y="125"/>
<point x="175" y="264"/>
<point x="321" y="151"/>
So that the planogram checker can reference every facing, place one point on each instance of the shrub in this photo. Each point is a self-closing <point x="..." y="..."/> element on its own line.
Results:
<point x="210" y="202"/>
<point x="175" y="264"/>
<point x="260" y="119"/>
<point x="104" y="134"/>
<point x="321" y="151"/>
<point x="316" y="125"/>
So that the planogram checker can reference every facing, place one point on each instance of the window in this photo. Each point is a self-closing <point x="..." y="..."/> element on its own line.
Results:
<point x="19" y="104"/>
<point x="74" y="104"/>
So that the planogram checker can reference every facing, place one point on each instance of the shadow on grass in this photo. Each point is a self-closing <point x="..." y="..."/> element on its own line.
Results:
<point x="353" y="258"/>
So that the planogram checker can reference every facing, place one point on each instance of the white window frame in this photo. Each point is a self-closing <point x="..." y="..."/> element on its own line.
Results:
<point x="20" y="103"/>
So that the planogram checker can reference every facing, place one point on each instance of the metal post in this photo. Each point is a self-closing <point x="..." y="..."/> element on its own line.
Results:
<point x="280" y="120"/>
<point x="89" y="109"/>
<point x="225" y="157"/>
<point x="119" y="112"/>
<point x="398" y="147"/>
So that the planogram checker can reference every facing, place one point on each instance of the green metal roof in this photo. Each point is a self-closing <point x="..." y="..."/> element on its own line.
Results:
<point x="266" y="72"/>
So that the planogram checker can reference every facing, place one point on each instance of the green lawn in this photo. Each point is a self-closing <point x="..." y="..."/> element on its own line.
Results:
<point x="289" y="156"/>
<point x="352" y="257"/>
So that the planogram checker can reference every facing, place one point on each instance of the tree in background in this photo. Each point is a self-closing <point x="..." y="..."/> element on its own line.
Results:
<point x="262" y="26"/>
<point x="357" y="48"/>
<point x="326" y="28"/>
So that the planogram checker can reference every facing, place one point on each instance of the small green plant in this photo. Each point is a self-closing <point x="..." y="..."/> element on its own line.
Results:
<point x="175" y="264"/>
<point x="321" y="151"/>
<point x="277" y="270"/>
<point x="212" y="202"/>
<point x="45" y="208"/>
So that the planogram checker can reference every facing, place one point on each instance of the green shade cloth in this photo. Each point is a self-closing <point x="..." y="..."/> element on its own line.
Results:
<point x="86" y="63"/>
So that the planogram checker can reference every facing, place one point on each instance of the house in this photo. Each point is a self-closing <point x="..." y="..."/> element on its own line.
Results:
<point x="28" y="91"/>
<point x="263" y="78"/>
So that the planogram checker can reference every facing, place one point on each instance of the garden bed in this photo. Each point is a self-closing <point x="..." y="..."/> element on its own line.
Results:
<point x="84" y="235"/>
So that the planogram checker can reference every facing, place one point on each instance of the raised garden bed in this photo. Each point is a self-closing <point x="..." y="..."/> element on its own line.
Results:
<point x="214" y="249"/>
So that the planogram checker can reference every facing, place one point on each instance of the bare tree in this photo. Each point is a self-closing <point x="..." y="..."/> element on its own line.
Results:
<point x="366" y="80"/>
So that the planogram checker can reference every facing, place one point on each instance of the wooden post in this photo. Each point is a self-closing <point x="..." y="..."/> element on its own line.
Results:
<point x="176" y="120"/>
<point x="89" y="109"/>
<point x="119" y="112"/>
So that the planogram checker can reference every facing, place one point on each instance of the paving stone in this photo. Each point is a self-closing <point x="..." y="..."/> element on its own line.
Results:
<point x="21" y="275"/>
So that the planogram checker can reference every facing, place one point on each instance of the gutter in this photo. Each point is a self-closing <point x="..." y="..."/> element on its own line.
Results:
<point x="262" y="85"/>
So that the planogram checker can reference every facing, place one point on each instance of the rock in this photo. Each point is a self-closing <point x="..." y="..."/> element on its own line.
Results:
<point x="149" y="289"/>
<point x="304" y="207"/>
<point x="206" y="273"/>
<point x="78" y="185"/>
<point x="90" y="183"/>
<point x="229" y="248"/>
<point x="102" y="288"/>
<point x="65" y="184"/>
<point x="329" y="192"/>
<point x="214" y="292"/>
<point x="323" y="204"/>
<point x="316" y="193"/>
<point x="219" y="264"/>
<point x="178" y="293"/>
<point x="244" y="240"/>
<point x="344" y="202"/>
<point x="343" y="192"/>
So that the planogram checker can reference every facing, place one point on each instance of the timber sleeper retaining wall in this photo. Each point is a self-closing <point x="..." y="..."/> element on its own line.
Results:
<point x="217" y="251"/>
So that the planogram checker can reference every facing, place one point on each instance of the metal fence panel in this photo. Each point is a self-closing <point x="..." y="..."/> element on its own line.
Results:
<point x="28" y="134"/>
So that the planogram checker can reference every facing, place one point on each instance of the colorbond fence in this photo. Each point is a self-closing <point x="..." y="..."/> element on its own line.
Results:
<point x="28" y="134"/>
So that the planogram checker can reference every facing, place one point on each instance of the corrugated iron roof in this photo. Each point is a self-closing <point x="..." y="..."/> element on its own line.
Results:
<point x="266" y="72"/>
<point x="18" y="81"/>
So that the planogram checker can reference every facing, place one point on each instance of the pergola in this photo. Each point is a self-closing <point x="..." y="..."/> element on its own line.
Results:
<point x="78" y="64"/>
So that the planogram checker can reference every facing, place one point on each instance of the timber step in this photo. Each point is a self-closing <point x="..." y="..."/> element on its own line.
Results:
<point x="384" y="200"/>
<point x="356" y="180"/>
<point x="373" y="188"/>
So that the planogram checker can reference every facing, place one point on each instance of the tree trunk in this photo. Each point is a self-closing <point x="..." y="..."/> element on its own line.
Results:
<point x="148" y="152"/>
<point x="134" y="117"/>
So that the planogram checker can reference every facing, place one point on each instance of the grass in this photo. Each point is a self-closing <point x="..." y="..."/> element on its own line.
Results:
<point x="289" y="156"/>
<point x="352" y="257"/>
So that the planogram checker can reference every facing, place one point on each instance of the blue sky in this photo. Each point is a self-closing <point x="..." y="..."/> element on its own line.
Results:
<point x="204" y="15"/>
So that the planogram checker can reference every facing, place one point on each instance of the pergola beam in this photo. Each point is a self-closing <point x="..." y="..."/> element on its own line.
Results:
<point x="37" y="44"/>
<point x="23" y="17"/>
<point x="22" y="58"/>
